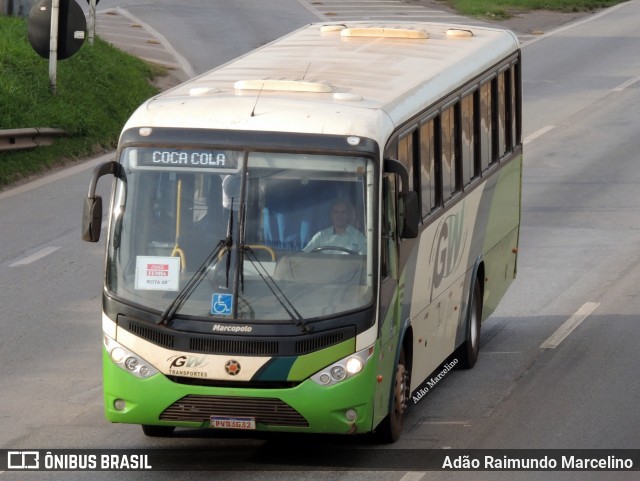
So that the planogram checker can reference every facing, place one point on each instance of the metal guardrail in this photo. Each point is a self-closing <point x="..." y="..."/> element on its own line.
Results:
<point x="19" y="139"/>
<point x="19" y="8"/>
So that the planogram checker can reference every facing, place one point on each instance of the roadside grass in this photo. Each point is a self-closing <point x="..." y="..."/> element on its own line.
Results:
<point x="97" y="90"/>
<point x="503" y="9"/>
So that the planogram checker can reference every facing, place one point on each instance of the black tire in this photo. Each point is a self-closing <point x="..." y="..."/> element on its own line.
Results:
<point x="157" y="431"/>
<point x="468" y="352"/>
<point x="390" y="428"/>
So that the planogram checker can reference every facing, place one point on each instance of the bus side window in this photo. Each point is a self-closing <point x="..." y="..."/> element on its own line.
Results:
<point x="502" y="105"/>
<point x="389" y="233"/>
<point x="516" y="126"/>
<point x="427" y="167"/>
<point x="486" y="130"/>
<point x="449" y="160"/>
<point x="407" y="145"/>
<point x="468" y="139"/>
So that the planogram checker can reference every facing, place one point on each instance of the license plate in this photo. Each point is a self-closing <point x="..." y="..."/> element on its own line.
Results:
<point x="225" y="422"/>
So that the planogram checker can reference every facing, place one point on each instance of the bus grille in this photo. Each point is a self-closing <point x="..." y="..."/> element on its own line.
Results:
<point x="157" y="337"/>
<point x="232" y="346"/>
<point x="199" y="408"/>
<point x="319" y="342"/>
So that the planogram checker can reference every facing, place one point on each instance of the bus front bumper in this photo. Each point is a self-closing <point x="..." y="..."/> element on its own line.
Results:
<point x="307" y="407"/>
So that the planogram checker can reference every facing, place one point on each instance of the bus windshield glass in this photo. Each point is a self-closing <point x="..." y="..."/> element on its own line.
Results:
<point x="242" y="235"/>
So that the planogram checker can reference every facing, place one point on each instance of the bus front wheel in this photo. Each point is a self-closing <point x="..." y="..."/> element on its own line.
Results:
<point x="468" y="352"/>
<point x="391" y="427"/>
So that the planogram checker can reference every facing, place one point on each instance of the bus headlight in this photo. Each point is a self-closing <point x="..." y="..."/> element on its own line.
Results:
<point x="131" y="363"/>
<point x="118" y="355"/>
<point x="343" y="369"/>
<point x="354" y="365"/>
<point x="338" y="372"/>
<point x="128" y="360"/>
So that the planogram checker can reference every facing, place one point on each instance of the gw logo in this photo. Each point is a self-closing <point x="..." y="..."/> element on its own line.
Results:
<point x="450" y="241"/>
<point x="187" y="361"/>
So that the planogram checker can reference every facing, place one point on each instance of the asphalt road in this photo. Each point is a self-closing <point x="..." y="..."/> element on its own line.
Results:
<point x="209" y="33"/>
<point x="579" y="259"/>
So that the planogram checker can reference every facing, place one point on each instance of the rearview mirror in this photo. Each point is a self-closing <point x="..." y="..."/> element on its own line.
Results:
<point x="410" y="215"/>
<point x="92" y="219"/>
<point x="409" y="208"/>
<point x="92" y="210"/>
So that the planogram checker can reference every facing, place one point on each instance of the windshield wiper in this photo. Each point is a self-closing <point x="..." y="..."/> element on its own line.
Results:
<point x="200" y="274"/>
<point x="280" y="296"/>
<point x="195" y="280"/>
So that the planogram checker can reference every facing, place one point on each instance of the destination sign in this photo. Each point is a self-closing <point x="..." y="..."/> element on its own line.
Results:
<point x="186" y="158"/>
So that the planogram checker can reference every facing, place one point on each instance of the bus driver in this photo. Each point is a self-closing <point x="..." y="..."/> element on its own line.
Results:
<point x="341" y="235"/>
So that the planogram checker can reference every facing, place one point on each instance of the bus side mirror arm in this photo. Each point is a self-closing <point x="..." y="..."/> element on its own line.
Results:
<point x="92" y="210"/>
<point x="409" y="207"/>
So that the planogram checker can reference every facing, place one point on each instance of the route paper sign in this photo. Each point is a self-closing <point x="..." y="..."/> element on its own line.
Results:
<point x="157" y="273"/>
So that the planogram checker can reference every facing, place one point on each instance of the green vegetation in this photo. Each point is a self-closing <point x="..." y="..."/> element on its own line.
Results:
<point x="97" y="90"/>
<point x="505" y="8"/>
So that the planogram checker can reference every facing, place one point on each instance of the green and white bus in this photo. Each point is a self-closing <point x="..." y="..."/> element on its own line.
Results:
<point x="221" y="312"/>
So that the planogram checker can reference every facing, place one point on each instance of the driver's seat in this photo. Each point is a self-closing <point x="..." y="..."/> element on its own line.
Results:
<point x="291" y="212"/>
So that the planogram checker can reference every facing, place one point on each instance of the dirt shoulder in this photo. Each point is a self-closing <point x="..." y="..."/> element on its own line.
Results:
<point x="536" y="22"/>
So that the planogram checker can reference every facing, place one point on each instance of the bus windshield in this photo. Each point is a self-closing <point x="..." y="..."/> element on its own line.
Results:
<point x="224" y="235"/>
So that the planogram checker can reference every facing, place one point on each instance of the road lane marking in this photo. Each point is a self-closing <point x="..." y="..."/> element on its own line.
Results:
<point x="182" y="61"/>
<point x="34" y="257"/>
<point x="502" y="352"/>
<point x="413" y="476"/>
<point x="626" y="84"/>
<point x="577" y="23"/>
<point x="463" y="423"/>
<point x="570" y="324"/>
<point x="62" y="174"/>
<point x="538" y="133"/>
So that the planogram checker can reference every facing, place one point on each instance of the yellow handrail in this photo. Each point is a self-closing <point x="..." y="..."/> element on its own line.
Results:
<point x="177" y="249"/>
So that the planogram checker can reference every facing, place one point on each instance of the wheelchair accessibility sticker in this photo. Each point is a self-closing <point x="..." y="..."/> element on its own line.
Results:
<point x="221" y="304"/>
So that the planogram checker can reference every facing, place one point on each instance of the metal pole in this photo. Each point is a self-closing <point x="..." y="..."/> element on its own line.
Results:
<point x="92" y="21"/>
<point x="53" y="45"/>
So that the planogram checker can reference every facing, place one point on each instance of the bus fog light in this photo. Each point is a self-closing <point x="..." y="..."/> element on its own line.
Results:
<point x="144" y="371"/>
<point x="131" y="363"/>
<point x="354" y="365"/>
<point x="351" y="414"/>
<point x="120" y="404"/>
<point x="338" y="373"/>
<point x="325" y="378"/>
